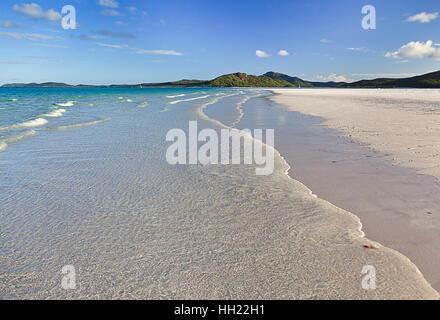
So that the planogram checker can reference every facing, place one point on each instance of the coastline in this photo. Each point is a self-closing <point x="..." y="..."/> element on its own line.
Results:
<point x="355" y="230"/>
<point x="159" y="231"/>
<point x="396" y="204"/>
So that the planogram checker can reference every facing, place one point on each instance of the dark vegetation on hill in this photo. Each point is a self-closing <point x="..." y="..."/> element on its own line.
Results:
<point x="267" y="80"/>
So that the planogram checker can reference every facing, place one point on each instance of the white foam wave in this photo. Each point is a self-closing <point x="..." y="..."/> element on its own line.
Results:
<point x="176" y="96"/>
<point x="79" y="125"/>
<point x="33" y="123"/>
<point x="129" y="100"/>
<point x="5" y="143"/>
<point x="55" y="113"/>
<point x="66" y="104"/>
<point x="183" y="100"/>
<point x="20" y="136"/>
<point x="14" y="99"/>
<point x="142" y="105"/>
<point x="240" y="111"/>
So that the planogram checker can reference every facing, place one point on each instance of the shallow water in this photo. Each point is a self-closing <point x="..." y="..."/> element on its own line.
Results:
<point x="397" y="206"/>
<point x="102" y="197"/>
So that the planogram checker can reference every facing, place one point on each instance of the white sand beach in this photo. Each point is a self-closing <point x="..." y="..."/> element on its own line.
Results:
<point x="403" y="123"/>
<point x="400" y="126"/>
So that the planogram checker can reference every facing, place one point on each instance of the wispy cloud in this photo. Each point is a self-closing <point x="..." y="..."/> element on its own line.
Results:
<point x="283" y="53"/>
<point x="132" y="10"/>
<point x="34" y="11"/>
<point x="10" y="24"/>
<point x="325" y="41"/>
<point x="354" y="49"/>
<point x="109" y="3"/>
<point x="42" y="57"/>
<point x="423" y="17"/>
<point x="90" y="37"/>
<point x="383" y="75"/>
<point x="117" y="35"/>
<point x="114" y="46"/>
<point x="160" y="52"/>
<point x="56" y="59"/>
<point x="111" y="13"/>
<point x="17" y="62"/>
<point x="28" y="36"/>
<point x="261" y="54"/>
<point x="332" y="77"/>
<point x="48" y="45"/>
<point x="416" y="49"/>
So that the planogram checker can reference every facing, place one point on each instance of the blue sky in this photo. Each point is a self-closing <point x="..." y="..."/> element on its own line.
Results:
<point x="131" y="41"/>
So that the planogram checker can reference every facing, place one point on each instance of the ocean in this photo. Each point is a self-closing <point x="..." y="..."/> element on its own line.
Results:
<point x="84" y="183"/>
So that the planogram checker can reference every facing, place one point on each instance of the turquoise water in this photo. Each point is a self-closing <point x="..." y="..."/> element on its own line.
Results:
<point x="90" y="187"/>
<point x="28" y="111"/>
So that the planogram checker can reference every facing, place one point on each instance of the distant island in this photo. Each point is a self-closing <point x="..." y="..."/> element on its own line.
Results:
<point x="269" y="79"/>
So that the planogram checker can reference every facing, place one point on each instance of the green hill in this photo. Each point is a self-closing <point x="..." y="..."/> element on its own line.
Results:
<point x="243" y="80"/>
<point x="429" y="80"/>
<point x="268" y="80"/>
<point x="297" y="82"/>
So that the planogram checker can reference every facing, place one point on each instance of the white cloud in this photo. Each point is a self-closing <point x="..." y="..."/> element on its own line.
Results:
<point x="121" y="23"/>
<point x="50" y="45"/>
<point x="261" y="54"/>
<point x="109" y="3"/>
<point x="423" y="17"/>
<point x="383" y="75"/>
<point x="332" y="77"/>
<point x="354" y="49"/>
<point x="34" y="11"/>
<point x="132" y="10"/>
<point x="17" y="62"/>
<point x="28" y="36"/>
<point x="325" y="41"/>
<point x="111" y="13"/>
<point x="283" y="53"/>
<point x="10" y="24"/>
<point x="416" y="49"/>
<point x="114" y="46"/>
<point x="161" y="52"/>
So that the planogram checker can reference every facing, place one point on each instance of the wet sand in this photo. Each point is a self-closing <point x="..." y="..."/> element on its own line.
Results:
<point x="398" y="205"/>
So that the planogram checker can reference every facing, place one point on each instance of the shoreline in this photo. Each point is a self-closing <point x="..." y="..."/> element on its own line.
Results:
<point x="161" y="231"/>
<point x="396" y="204"/>
<point x="357" y="233"/>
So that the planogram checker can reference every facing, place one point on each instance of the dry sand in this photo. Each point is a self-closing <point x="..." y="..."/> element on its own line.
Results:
<point x="403" y="123"/>
<point x="396" y="202"/>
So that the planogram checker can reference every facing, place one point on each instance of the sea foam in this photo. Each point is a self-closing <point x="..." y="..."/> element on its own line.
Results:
<point x="79" y="125"/>
<point x="33" y="123"/>
<point x="183" y="100"/>
<point x="5" y="143"/>
<point x="66" y="104"/>
<point x="176" y="96"/>
<point x="3" y="146"/>
<point x="55" y="113"/>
